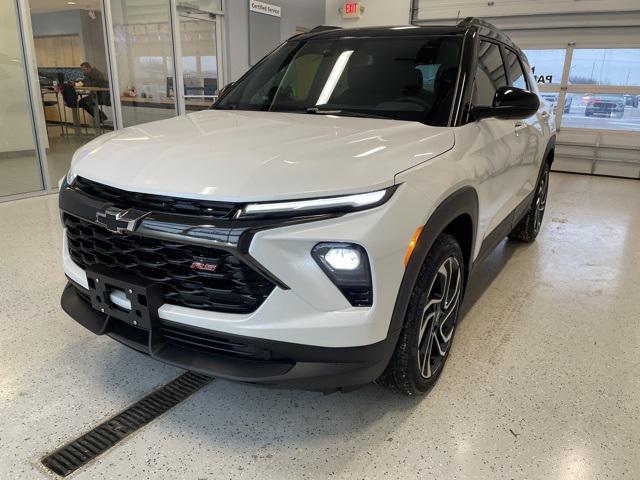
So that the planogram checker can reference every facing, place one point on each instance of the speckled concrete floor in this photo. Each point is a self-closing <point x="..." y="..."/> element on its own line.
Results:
<point x="542" y="382"/>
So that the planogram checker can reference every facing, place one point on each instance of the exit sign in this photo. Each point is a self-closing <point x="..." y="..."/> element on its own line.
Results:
<point x="351" y="10"/>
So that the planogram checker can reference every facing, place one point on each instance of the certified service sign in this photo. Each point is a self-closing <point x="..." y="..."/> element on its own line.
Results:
<point x="266" y="8"/>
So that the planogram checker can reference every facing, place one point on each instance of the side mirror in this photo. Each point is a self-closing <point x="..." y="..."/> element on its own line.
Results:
<point x="509" y="102"/>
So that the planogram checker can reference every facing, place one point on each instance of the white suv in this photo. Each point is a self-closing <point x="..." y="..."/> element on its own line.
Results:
<point x="316" y="227"/>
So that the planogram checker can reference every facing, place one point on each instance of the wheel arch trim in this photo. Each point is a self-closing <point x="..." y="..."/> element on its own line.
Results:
<point x="462" y="202"/>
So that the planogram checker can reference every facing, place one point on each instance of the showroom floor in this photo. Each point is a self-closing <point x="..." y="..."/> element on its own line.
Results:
<point x="542" y="381"/>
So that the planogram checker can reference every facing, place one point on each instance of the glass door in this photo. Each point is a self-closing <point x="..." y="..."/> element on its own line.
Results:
<point x="199" y="59"/>
<point x="75" y="95"/>
<point x="144" y="59"/>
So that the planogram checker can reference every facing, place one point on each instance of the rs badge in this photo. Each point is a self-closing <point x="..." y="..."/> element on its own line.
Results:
<point x="204" y="266"/>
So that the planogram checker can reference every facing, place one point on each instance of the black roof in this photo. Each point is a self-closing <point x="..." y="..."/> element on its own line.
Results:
<point x="482" y="27"/>
<point x="329" y="32"/>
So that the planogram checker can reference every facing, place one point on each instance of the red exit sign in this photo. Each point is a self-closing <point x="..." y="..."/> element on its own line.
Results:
<point x="351" y="10"/>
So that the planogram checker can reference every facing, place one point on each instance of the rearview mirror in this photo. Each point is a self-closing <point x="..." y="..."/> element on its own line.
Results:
<point x="509" y="102"/>
<point x="225" y="88"/>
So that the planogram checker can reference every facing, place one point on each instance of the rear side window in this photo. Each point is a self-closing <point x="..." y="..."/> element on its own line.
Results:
<point x="490" y="74"/>
<point x="514" y="67"/>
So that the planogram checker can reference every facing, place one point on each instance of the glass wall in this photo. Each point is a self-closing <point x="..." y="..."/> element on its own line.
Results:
<point x="144" y="57"/>
<point x="74" y="90"/>
<point x="19" y="165"/>
<point x="71" y="100"/>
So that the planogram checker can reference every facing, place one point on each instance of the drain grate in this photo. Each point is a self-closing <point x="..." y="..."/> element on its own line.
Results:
<point x="85" y="448"/>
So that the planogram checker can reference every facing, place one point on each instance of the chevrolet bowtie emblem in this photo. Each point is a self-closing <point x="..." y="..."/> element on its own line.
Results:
<point x="117" y="220"/>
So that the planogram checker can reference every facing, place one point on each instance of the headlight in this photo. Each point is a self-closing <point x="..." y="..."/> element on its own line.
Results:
<point x="347" y="266"/>
<point x="70" y="178"/>
<point x="344" y="203"/>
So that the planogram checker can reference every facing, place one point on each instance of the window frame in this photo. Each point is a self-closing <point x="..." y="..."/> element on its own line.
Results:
<point x="506" y="48"/>
<point x="500" y="45"/>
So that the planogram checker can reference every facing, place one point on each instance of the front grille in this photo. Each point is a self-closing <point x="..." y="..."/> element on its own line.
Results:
<point x="233" y="287"/>
<point x="209" y="342"/>
<point x="156" y="203"/>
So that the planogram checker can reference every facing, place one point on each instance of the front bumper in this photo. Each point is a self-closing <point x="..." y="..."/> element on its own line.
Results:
<point x="313" y="337"/>
<point x="265" y="362"/>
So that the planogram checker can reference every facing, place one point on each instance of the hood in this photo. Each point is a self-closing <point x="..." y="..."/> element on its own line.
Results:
<point x="253" y="156"/>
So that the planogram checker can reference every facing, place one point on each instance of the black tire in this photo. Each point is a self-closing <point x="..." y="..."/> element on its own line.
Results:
<point x="433" y="310"/>
<point x="527" y="229"/>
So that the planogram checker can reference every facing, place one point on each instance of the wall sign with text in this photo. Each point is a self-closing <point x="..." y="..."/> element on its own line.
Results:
<point x="266" y="8"/>
<point x="351" y="10"/>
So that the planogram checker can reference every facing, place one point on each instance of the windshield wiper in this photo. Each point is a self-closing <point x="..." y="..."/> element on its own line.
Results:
<point x="345" y="113"/>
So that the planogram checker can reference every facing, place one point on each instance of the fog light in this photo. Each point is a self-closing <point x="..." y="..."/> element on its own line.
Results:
<point x="347" y="265"/>
<point x="343" y="258"/>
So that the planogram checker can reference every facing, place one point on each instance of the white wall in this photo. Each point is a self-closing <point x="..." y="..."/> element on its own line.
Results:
<point x="300" y="13"/>
<point x="376" y="13"/>
<point x="16" y="133"/>
<point x="295" y="13"/>
<point x="75" y="22"/>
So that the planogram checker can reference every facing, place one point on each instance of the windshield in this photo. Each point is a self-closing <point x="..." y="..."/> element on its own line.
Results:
<point x="404" y="78"/>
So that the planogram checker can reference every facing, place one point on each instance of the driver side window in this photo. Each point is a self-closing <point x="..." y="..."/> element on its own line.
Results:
<point x="490" y="74"/>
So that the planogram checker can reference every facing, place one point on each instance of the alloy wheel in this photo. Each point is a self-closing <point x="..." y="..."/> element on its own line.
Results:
<point x="439" y="317"/>
<point x="541" y="200"/>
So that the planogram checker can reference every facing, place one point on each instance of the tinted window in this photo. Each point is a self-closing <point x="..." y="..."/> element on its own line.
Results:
<point x="514" y="67"/>
<point x="490" y="74"/>
<point x="406" y="78"/>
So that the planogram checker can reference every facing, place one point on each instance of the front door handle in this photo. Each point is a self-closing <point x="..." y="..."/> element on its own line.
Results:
<point x="544" y="114"/>
<point x="519" y="125"/>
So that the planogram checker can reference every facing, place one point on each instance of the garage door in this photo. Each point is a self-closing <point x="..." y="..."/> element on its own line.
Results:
<point x="586" y="59"/>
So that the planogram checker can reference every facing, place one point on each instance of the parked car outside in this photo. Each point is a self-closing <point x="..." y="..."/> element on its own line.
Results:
<point x="608" y="105"/>
<point x="553" y="99"/>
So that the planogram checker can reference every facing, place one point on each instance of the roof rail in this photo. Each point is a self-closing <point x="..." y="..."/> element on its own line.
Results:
<point x="322" y="28"/>
<point x="318" y="29"/>
<point x="489" y="30"/>
<point x="471" y="21"/>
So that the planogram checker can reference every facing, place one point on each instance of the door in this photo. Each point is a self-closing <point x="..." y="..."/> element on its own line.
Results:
<point x="143" y="51"/>
<point x="199" y="47"/>
<point x="499" y="145"/>
<point x="533" y="130"/>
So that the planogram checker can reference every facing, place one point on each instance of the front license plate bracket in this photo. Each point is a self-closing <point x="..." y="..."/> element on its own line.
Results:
<point x="143" y="295"/>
